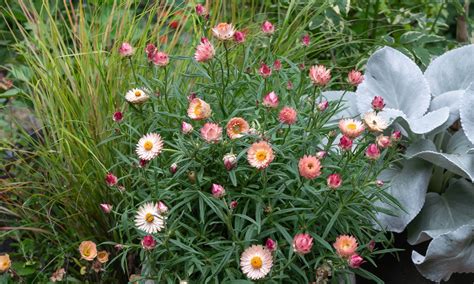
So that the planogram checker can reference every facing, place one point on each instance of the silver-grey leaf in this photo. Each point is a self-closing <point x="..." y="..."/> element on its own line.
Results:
<point x="453" y="100"/>
<point x="348" y="102"/>
<point x="467" y="113"/>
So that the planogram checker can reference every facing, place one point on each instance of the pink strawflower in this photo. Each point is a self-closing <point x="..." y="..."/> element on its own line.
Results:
<point x="107" y="208"/>
<point x="237" y="127"/>
<point x="118" y="116"/>
<point x="173" y="168"/>
<point x="345" y="245"/>
<point x="211" y="132"/>
<point x="319" y="75"/>
<point x="204" y="51"/>
<point x="271" y="100"/>
<point x="265" y="71"/>
<point x="148" y="242"/>
<point x="351" y="128"/>
<point x="277" y="65"/>
<point x="355" y="77"/>
<point x="217" y="190"/>
<point x="379" y="183"/>
<point x="201" y="10"/>
<point x="126" y="49"/>
<point x="160" y="59"/>
<point x="372" y="152"/>
<point x="321" y="154"/>
<point x="396" y="136"/>
<point x="287" y="115"/>
<point x="111" y="179"/>
<point x="309" y="167"/>
<point x="186" y="128"/>
<point x="271" y="245"/>
<point x="162" y="208"/>
<point x="239" y="37"/>
<point x="334" y="181"/>
<point x="268" y="28"/>
<point x="230" y="161"/>
<point x="322" y="106"/>
<point x="260" y="155"/>
<point x="199" y="109"/>
<point x="383" y="141"/>
<point x="345" y="143"/>
<point x="355" y="261"/>
<point x="223" y="31"/>
<point x="302" y="243"/>
<point x="378" y="103"/>
<point x="233" y="204"/>
<point x="289" y="85"/>
<point x="305" y="40"/>
<point x="150" y="51"/>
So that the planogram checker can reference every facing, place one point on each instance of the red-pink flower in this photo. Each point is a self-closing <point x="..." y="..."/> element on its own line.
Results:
<point x="233" y="204"/>
<point x="217" y="190"/>
<point x="204" y="51"/>
<point x="191" y="97"/>
<point x="201" y="10"/>
<point x="372" y="152"/>
<point x="287" y="115"/>
<point x="271" y="100"/>
<point x="319" y="75"/>
<point x="378" y="103"/>
<point x="302" y="243"/>
<point x="334" y="181"/>
<point x="396" y="136"/>
<point x="277" y="65"/>
<point x="309" y="167"/>
<point x="383" y="141"/>
<point x="322" y="106"/>
<point x="345" y="143"/>
<point x="271" y="245"/>
<point x="173" y="168"/>
<point x="211" y="132"/>
<point x="230" y="161"/>
<point x="265" y="71"/>
<point x="239" y="37"/>
<point x="268" y="28"/>
<point x="150" y="51"/>
<point x="126" y="49"/>
<point x="355" y="261"/>
<point x="111" y="179"/>
<point x="107" y="208"/>
<point x="186" y="127"/>
<point x="345" y="245"/>
<point x="118" y="116"/>
<point x="160" y="59"/>
<point x="305" y="40"/>
<point x="148" y="242"/>
<point x="355" y="77"/>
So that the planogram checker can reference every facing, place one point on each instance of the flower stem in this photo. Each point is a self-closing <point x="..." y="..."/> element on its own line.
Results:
<point x="133" y="69"/>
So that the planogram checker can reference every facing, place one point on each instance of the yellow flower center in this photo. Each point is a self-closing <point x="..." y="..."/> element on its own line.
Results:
<point x="222" y="27"/>
<point x="261" y="155"/>
<point x="138" y="93"/>
<point x="198" y="110"/>
<point x="149" y="217"/>
<point x="352" y="126"/>
<point x="346" y="245"/>
<point x="256" y="262"/>
<point x="148" y="145"/>
<point x="236" y="128"/>
<point x="86" y="251"/>
<point x="310" y="166"/>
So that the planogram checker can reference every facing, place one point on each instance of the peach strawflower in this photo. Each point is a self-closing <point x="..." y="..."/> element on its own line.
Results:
<point x="199" y="109"/>
<point x="160" y="59"/>
<point x="58" y="275"/>
<point x="88" y="250"/>
<point x="256" y="262"/>
<point x="103" y="256"/>
<point x="287" y="115"/>
<point x="5" y="262"/>
<point x="136" y="96"/>
<point x="319" y="75"/>
<point x="260" y="155"/>
<point x="355" y="77"/>
<point x="223" y="31"/>
<point x="204" y="51"/>
<point x="345" y="245"/>
<point x="211" y="132"/>
<point x="309" y="167"/>
<point x="237" y="127"/>
<point x="351" y="128"/>
<point x="149" y="146"/>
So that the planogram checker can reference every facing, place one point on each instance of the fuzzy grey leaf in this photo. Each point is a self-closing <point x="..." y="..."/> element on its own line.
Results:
<point x="467" y="113"/>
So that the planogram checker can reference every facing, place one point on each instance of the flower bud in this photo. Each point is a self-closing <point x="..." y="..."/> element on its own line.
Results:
<point x="230" y="161"/>
<point x="217" y="190"/>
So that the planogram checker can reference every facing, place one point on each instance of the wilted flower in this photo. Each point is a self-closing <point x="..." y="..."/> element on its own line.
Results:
<point x="96" y="266"/>
<point x="192" y="176"/>
<point x="351" y="128"/>
<point x="160" y="59"/>
<point x="256" y="262"/>
<point x="305" y="40"/>
<point x="239" y="37"/>
<point x="118" y="116"/>
<point x="126" y="49"/>
<point x="378" y="103"/>
<point x="271" y="245"/>
<point x="173" y="168"/>
<point x="103" y="256"/>
<point x="223" y="31"/>
<point x="111" y="179"/>
<point x="204" y="51"/>
<point x="355" y="77"/>
<point x="383" y="141"/>
<point x="396" y="136"/>
<point x="277" y="65"/>
<point x="58" y="275"/>
<point x="5" y="262"/>
<point x="201" y="10"/>
<point x="217" y="190"/>
<point x="260" y="155"/>
<point x="191" y="97"/>
<point x="211" y="132"/>
<point x="186" y="128"/>
<point x="230" y="161"/>
<point x="374" y="122"/>
<point x="334" y="181"/>
<point x="371" y="245"/>
<point x="355" y="261"/>
<point x="199" y="109"/>
<point x="302" y="243"/>
<point x="372" y="152"/>
<point x="136" y="96"/>
<point x="107" y="208"/>
<point x="322" y="106"/>
<point x="237" y="127"/>
<point x="271" y="100"/>
<point x="319" y="75"/>
<point x="149" y="146"/>
<point x="268" y="28"/>
<point x="345" y="143"/>
<point x="345" y="245"/>
<point x="149" y="219"/>
<point x="148" y="242"/>
<point x="150" y="51"/>
<point x="142" y="163"/>
<point x="264" y="70"/>
<point x="309" y="167"/>
<point x="287" y="115"/>
<point x="88" y="250"/>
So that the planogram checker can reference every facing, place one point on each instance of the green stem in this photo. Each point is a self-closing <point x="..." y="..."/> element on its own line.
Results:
<point x="313" y="106"/>
<point x="133" y="69"/>
<point x="165" y="89"/>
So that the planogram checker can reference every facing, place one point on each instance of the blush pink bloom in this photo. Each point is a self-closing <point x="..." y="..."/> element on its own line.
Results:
<point x="230" y="161"/>
<point x="233" y="204"/>
<point x="223" y="31"/>
<point x="383" y="141"/>
<point x="289" y="85"/>
<point x="201" y="10"/>
<point x="319" y="75"/>
<point x="309" y="167"/>
<point x="204" y="51"/>
<point x="199" y="109"/>
<point x="217" y="190"/>
<point x="355" y="77"/>
<point x="321" y="154"/>
<point x="106" y="208"/>
<point x="126" y="49"/>
<point x="160" y="59"/>
<point x="345" y="143"/>
<point x="372" y="152"/>
<point x="355" y="261"/>
<point x="111" y="179"/>
<point x="162" y="208"/>
<point x="345" y="246"/>
<point x="237" y="127"/>
<point x="118" y="116"/>
<point x="287" y="115"/>
<point x="351" y="128"/>
<point x="150" y="51"/>
<point x="260" y="155"/>
<point x="378" y="103"/>
<point x="186" y="128"/>
<point x="277" y="65"/>
<point x="334" y="181"/>
<point x="148" y="242"/>
<point x="173" y="168"/>
<point x="271" y="245"/>
<point x="271" y="100"/>
<point x="239" y="37"/>
<point x="211" y="132"/>
<point x="302" y="243"/>
<point x="322" y="106"/>
<point x="305" y="40"/>
<point x="396" y="136"/>
<point x="264" y="70"/>
<point x="268" y="28"/>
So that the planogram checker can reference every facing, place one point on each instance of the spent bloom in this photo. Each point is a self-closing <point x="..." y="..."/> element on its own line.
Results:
<point x="277" y="65"/>
<point x="334" y="181"/>
<point x="149" y="146"/>
<point x="150" y="51"/>
<point x="237" y="127"/>
<point x="355" y="261"/>
<point x="345" y="245"/>
<point x="88" y="250"/>
<point x="162" y="208"/>
<point x="309" y="167"/>
<point x="111" y="179"/>
<point x="302" y="243"/>
<point x="287" y="115"/>
<point x="5" y="262"/>
<point x="322" y="106"/>
<point x="223" y="31"/>
<point x="103" y="256"/>
<point x="118" y="116"/>
<point x="378" y="103"/>
<point x="239" y="37"/>
<point x="305" y="40"/>
<point x="374" y="122"/>
<point x="217" y="190"/>
<point x="149" y="219"/>
<point x="186" y="128"/>
<point x="355" y="77"/>
<point x="204" y="51"/>
<point x="160" y="59"/>
<point x="148" y="242"/>
<point x="126" y="49"/>
<point x="264" y="70"/>
<point x="383" y="141"/>
<point x="271" y="245"/>
<point x="58" y="275"/>
<point x="260" y="155"/>
<point x="319" y="75"/>
<point x="271" y="100"/>
<point x="201" y="10"/>
<point x="211" y="132"/>
<point x="136" y="96"/>
<point x="345" y="143"/>
<point x="230" y="161"/>
<point x="372" y="152"/>
<point x="106" y="208"/>
<point x="351" y="128"/>
<point x="256" y="262"/>
<point x="199" y="109"/>
<point x="268" y="28"/>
